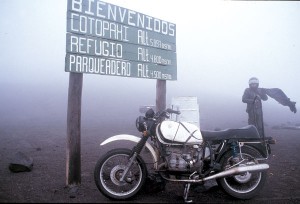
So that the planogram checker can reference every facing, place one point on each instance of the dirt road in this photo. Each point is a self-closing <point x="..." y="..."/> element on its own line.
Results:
<point x="46" y="144"/>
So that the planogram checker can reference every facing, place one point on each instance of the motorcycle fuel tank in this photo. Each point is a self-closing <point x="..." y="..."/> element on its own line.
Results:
<point x="178" y="133"/>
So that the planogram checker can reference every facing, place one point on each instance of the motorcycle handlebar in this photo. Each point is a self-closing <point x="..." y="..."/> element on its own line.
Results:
<point x="169" y="110"/>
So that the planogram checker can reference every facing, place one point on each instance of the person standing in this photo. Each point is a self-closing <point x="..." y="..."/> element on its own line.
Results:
<point x="253" y="97"/>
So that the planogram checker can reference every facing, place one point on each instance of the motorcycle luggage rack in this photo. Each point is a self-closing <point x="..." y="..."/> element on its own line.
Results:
<point x="253" y="142"/>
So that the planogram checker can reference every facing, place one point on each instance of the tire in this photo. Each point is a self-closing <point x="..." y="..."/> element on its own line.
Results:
<point x="108" y="171"/>
<point x="247" y="185"/>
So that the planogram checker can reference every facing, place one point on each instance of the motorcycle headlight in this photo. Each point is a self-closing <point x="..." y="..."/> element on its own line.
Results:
<point x="139" y="123"/>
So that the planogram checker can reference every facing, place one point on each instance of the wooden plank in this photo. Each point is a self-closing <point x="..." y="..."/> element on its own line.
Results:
<point x="97" y="27"/>
<point x="93" y="46"/>
<point x="110" y="12"/>
<point x="73" y="161"/>
<point x="161" y="88"/>
<point x="99" y="32"/>
<point x="118" y="67"/>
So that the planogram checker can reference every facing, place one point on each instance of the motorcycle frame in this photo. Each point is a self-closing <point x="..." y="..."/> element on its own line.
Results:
<point x="243" y="143"/>
<point x="225" y="146"/>
<point x="260" y="146"/>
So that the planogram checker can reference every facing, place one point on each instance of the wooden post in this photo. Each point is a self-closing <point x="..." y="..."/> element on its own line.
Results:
<point x="73" y="162"/>
<point x="161" y="95"/>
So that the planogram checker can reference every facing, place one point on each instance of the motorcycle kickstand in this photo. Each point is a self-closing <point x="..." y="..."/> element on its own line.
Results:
<point x="186" y="193"/>
<point x="187" y="190"/>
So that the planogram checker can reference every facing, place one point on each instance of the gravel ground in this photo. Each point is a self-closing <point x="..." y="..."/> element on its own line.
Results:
<point x="46" y="144"/>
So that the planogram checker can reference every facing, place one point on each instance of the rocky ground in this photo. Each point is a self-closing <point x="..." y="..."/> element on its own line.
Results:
<point x="46" y="144"/>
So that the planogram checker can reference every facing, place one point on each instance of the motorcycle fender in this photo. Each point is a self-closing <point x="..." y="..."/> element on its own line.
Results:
<point x="133" y="139"/>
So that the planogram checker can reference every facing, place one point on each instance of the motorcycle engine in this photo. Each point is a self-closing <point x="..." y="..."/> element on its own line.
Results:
<point x="184" y="158"/>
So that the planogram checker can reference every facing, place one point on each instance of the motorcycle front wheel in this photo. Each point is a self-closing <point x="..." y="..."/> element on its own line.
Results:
<point x="245" y="185"/>
<point x="109" y="169"/>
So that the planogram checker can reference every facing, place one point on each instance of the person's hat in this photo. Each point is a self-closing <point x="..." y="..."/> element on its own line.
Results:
<point x="253" y="80"/>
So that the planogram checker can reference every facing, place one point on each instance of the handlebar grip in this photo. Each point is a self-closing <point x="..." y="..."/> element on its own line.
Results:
<point x="169" y="110"/>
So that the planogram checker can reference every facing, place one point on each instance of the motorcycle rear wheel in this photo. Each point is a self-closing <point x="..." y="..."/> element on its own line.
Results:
<point x="247" y="185"/>
<point x="109" y="170"/>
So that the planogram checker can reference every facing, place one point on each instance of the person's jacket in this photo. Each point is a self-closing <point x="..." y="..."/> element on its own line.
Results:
<point x="251" y="95"/>
<point x="277" y="94"/>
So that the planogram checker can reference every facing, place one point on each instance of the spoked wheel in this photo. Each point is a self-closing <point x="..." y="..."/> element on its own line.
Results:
<point x="109" y="170"/>
<point x="245" y="185"/>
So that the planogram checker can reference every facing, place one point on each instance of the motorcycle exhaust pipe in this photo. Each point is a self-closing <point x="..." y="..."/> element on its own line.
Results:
<point x="238" y="170"/>
<point x="229" y="172"/>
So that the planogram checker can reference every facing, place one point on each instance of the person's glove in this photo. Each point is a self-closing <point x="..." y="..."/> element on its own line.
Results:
<point x="292" y="106"/>
<point x="257" y="99"/>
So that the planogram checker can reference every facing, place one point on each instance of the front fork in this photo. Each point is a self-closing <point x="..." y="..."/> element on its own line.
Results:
<point x="136" y="150"/>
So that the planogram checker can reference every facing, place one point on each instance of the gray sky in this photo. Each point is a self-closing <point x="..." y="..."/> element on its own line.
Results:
<point x="220" y="45"/>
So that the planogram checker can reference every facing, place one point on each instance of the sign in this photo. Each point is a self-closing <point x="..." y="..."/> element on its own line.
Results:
<point x="189" y="108"/>
<point x="107" y="39"/>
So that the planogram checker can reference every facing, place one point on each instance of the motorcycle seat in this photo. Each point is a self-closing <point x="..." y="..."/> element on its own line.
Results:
<point x="247" y="132"/>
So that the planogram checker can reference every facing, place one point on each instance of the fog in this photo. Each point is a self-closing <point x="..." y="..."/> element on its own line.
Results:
<point x="220" y="45"/>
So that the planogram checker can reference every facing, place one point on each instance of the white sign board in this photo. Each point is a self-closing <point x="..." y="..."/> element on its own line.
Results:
<point x="189" y="108"/>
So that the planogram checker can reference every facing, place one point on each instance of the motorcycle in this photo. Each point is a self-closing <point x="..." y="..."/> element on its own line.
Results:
<point x="183" y="153"/>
